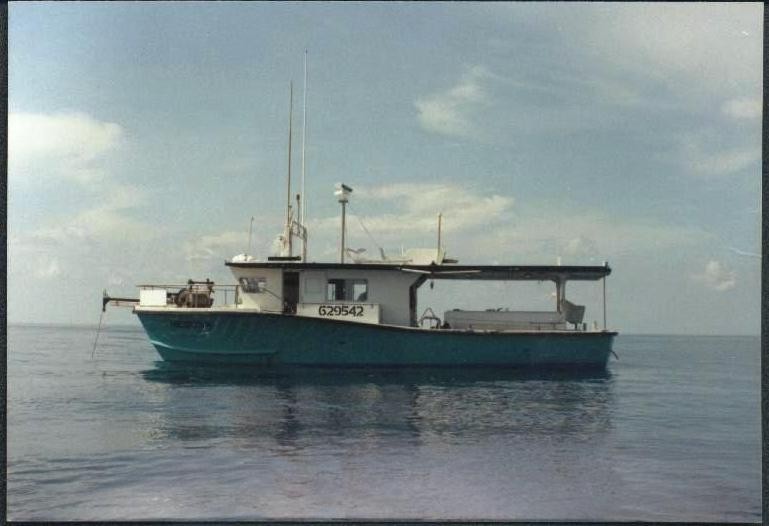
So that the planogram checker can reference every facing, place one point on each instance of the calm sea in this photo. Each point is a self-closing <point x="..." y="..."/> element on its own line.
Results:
<point x="670" y="432"/>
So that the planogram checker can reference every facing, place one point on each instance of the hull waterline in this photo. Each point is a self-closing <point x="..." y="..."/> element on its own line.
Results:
<point x="276" y="339"/>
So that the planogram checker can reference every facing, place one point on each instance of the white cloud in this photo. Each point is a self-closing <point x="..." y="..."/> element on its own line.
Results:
<point x="419" y="203"/>
<point x="712" y="152"/>
<point x="92" y="233"/>
<point x="578" y="237"/>
<point x="449" y="112"/>
<point x="727" y="161"/>
<point x="67" y="145"/>
<point x="581" y="246"/>
<point x="480" y="228"/>
<point x="47" y="269"/>
<point x="108" y="221"/>
<point x="216" y="246"/>
<point x="718" y="46"/>
<point x="745" y="253"/>
<point x="743" y="108"/>
<point x="716" y="276"/>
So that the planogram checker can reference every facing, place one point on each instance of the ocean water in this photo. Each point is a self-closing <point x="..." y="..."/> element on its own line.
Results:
<point x="671" y="432"/>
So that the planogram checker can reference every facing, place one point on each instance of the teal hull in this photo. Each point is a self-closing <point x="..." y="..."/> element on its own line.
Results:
<point x="275" y="339"/>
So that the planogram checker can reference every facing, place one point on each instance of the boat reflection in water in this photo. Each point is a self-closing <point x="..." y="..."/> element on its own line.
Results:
<point x="440" y="443"/>
<point x="296" y="407"/>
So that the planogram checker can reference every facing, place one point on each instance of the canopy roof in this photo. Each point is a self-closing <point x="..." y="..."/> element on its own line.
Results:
<point x="462" y="272"/>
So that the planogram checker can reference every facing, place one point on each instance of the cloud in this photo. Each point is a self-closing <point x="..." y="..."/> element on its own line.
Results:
<point x="73" y="146"/>
<point x="718" y="46"/>
<point x="745" y="253"/>
<point x="216" y="247"/>
<point x="66" y="145"/>
<point x="716" y="276"/>
<point x="743" y="108"/>
<point x="48" y="269"/>
<point x="100" y="233"/>
<point x="482" y="227"/>
<point x="108" y="221"/>
<point x="449" y="112"/>
<point x="576" y="236"/>
<point x="419" y="203"/>
<point x="709" y="153"/>
<point x="581" y="246"/>
<point x="724" y="162"/>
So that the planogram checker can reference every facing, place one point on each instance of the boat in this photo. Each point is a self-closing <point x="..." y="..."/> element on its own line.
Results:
<point x="306" y="313"/>
<point x="356" y="312"/>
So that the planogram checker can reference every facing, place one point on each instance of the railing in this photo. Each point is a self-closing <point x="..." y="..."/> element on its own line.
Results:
<point x="195" y="292"/>
<point x="496" y="319"/>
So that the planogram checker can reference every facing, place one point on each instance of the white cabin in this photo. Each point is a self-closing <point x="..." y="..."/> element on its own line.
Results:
<point x="386" y="292"/>
<point x="370" y="295"/>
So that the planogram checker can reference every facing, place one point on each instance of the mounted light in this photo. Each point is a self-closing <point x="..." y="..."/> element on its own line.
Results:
<point x="342" y="192"/>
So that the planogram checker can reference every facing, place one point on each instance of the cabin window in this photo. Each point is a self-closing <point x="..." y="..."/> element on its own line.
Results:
<point x="347" y="290"/>
<point x="253" y="285"/>
<point x="335" y="290"/>
<point x="360" y="290"/>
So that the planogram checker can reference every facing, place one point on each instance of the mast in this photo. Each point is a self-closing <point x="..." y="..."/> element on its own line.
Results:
<point x="288" y="185"/>
<point x="341" y="247"/>
<point x="304" y="137"/>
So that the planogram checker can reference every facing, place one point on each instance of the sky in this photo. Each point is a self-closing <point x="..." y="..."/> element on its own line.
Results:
<point x="144" y="136"/>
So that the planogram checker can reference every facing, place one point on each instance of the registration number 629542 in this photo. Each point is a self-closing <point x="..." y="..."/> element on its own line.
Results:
<point x="340" y="310"/>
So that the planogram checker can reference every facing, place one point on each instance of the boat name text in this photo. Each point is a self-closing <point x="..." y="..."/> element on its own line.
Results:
<point x="340" y="310"/>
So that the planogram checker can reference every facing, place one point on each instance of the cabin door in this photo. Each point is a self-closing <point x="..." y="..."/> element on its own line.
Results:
<point x="290" y="291"/>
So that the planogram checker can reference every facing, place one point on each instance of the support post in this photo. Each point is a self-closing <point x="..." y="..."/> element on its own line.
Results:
<point x="343" y="194"/>
<point x="606" y="264"/>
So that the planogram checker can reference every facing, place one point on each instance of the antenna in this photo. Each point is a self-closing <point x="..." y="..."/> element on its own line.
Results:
<point x="304" y="133"/>
<point x="288" y="188"/>
<point x="304" y="137"/>
<point x="250" y="229"/>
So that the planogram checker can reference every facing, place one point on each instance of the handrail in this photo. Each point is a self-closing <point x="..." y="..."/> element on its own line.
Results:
<point x="185" y="285"/>
<point x="209" y="288"/>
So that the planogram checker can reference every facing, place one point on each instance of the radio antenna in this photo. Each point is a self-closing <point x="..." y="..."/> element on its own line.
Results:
<point x="304" y="137"/>
<point x="250" y="230"/>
